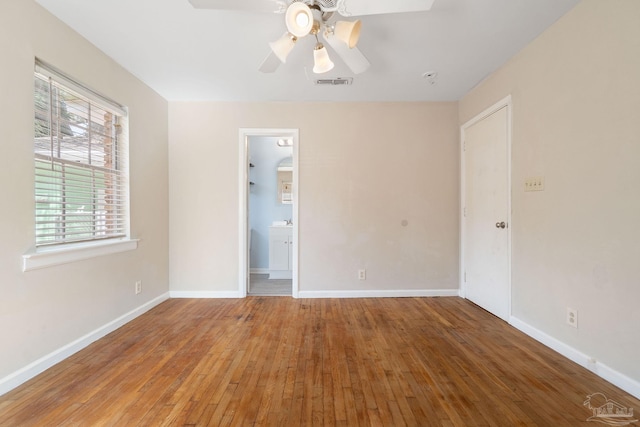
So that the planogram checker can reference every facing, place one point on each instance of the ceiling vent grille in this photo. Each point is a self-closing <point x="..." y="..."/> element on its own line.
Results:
<point x="327" y="4"/>
<point x="340" y="81"/>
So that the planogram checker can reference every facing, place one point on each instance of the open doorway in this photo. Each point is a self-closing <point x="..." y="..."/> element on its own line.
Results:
<point x="268" y="205"/>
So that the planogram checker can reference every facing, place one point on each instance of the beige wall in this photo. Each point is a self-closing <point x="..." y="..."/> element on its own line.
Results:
<point x="363" y="169"/>
<point x="576" y="109"/>
<point x="44" y="310"/>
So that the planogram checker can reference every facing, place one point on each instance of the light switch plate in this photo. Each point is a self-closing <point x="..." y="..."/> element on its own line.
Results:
<point x="534" y="183"/>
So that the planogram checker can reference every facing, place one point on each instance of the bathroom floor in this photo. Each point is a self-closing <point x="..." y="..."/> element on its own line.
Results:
<point x="261" y="285"/>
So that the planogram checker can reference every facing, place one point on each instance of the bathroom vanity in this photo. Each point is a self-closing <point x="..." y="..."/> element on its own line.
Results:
<point x="280" y="251"/>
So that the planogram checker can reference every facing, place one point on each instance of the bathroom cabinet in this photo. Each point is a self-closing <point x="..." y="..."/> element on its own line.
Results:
<point x="280" y="252"/>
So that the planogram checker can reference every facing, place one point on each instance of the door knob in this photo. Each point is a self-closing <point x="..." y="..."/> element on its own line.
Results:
<point x="501" y="224"/>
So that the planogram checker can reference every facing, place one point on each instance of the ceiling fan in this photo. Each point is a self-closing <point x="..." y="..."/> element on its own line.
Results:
<point x="314" y="17"/>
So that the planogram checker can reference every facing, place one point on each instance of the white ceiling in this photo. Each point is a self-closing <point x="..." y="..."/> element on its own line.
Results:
<point x="193" y="54"/>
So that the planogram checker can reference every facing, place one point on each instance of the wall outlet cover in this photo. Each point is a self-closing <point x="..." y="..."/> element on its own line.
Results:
<point x="572" y="317"/>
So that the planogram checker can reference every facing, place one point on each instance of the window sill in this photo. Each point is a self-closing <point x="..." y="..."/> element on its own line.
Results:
<point x="48" y="257"/>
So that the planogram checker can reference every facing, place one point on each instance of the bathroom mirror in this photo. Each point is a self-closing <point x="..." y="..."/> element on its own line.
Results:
<point x="285" y="181"/>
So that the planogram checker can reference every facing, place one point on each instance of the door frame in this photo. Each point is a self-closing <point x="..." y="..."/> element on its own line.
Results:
<point x="503" y="103"/>
<point x="243" y="182"/>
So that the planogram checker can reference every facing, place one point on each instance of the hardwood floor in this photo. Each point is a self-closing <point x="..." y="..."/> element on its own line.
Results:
<point x="275" y="361"/>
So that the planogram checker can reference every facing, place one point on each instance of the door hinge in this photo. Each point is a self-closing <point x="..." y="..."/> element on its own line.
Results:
<point x="464" y="212"/>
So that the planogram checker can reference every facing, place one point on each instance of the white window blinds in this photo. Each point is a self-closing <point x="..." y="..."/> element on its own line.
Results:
<point x="81" y="165"/>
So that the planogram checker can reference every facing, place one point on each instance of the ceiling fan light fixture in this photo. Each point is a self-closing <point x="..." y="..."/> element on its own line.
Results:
<point x="348" y="32"/>
<point x="322" y="62"/>
<point x="283" y="46"/>
<point x="299" y="19"/>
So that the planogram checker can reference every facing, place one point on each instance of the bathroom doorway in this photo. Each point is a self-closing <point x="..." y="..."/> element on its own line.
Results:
<point x="269" y="230"/>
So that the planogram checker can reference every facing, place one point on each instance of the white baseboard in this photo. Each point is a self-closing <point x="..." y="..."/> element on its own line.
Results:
<point x="259" y="271"/>
<point x="21" y="376"/>
<point x="280" y="274"/>
<point x="395" y="293"/>
<point x="627" y="384"/>
<point x="329" y="294"/>
<point x="204" y="294"/>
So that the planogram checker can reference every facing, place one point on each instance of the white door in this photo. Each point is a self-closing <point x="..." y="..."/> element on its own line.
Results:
<point x="486" y="213"/>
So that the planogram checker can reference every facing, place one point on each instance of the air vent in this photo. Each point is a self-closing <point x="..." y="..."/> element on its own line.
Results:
<point x="327" y="5"/>
<point x="340" y="81"/>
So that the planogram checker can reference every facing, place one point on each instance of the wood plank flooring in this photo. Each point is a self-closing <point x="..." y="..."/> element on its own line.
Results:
<point x="271" y="361"/>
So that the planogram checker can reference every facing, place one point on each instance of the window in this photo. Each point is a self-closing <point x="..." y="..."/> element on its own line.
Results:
<point x="80" y="151"/>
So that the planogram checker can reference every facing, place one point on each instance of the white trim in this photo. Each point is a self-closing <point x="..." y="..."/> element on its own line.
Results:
<point x="21" y="376"/>
<point x="243" y="220"/>
<point x="391" y="293"/>
<point x="243" y="183"/>
<point x="280" y="274"/>
<point x="47" y="257"/>
<point x="295" y="217"/>
<point x="600" y="369"/>
<point x="505" y="102"/>
<point x="259" y="270"/>
<point x="206" y="294"/>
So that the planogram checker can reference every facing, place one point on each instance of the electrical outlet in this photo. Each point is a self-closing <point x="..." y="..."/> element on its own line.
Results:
<point x="572" y="317"/>
<point x="138" y="287"/>
<point x="362" y="274"/>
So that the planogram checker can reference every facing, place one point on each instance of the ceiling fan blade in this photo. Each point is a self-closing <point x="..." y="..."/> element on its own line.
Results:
<point x="270" y="63"/>
<point x="354" y="59"/>
<point x="273" y="6"/>
<point x="376" y="7"/>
